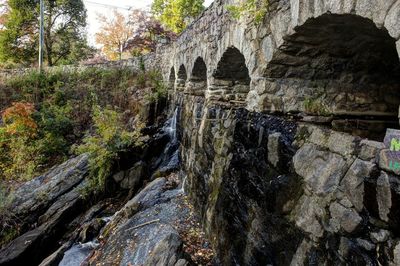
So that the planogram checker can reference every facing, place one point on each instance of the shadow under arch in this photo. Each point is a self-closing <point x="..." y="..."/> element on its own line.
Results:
<point x="341" y="67"/>
<point x="197" y="83"/>
<point x="181" y="78"/>
<point x="231" y="80"/>
<point x="171" y="78"/>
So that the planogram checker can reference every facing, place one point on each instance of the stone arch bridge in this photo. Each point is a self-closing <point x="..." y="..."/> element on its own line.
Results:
<point x="325" y="57"/>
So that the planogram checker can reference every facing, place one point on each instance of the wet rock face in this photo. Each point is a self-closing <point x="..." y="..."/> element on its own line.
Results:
<point x="271" y="191"/>
<point x="142" y="232"/>
<point x="44" y="207"/>
<point x="238" y="192"/>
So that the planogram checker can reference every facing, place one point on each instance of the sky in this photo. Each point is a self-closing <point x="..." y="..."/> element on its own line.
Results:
<point x="105" y="7"/>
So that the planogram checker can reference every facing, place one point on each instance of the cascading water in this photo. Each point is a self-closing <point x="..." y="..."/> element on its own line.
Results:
<point x="170" y="159"/>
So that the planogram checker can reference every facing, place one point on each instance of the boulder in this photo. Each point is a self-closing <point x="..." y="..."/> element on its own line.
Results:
<point x="142" y="232"/>
<point x="353" y="182"/>
<point x="343" y="218"/>
<point x="321" y="170"/>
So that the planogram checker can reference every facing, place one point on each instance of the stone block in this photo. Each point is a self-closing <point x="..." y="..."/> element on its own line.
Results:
<point x="343" y="218"/>
<point x="321" y="170"/>
<point x="353" y="182"/>
<point x="274" y="148"/>
<point x="370" y="149"/>
<point x="392" y="21"/>
<point x="383" y="196"/>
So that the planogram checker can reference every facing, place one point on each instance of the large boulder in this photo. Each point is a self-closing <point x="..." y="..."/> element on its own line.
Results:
<point x="44" y="206"/>
<point x="144" y="231"/>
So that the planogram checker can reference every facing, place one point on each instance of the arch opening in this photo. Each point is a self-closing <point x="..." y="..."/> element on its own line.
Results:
<point x="231" y="80"/>
<point x="198" y="79"/>
<point x="171" y="81"/>
<point x="181" y="78"/>
<point x="348" y="73"/>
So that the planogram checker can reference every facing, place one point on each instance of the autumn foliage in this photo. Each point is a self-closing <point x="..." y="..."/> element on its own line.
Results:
<point x="18" y="120"/>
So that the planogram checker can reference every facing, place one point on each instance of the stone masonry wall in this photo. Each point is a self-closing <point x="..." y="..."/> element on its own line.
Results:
<point x="274" y="191"/>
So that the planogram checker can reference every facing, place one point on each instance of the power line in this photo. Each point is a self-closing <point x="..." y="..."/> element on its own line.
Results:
<point x="107" y="5"/>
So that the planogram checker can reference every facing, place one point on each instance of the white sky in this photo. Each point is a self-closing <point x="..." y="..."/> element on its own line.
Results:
<point x="106" y="6"/>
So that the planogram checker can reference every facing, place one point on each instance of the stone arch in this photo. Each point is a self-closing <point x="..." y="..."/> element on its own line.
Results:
<point x="171" y="78"/>
<point x="198" y="79"/>
<point x="231" y="80"/>
<point x="199" y="71"/>
<point x="349" y="70"/>
<point x="181" y="78"/>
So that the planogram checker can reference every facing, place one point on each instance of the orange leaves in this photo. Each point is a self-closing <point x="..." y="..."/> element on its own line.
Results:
<point x="18" y="119"/>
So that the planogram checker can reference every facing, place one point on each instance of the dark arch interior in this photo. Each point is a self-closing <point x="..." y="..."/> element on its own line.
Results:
<point x="232" y="67"/>
<point x="172" y="77"/>
<point x="199" y="72"/>
<point x="181" y="80"/>
<point x="346" y="47"/>
<point x="182" y="73"/>
<point x="172" y="74"/>
<point x="340" y="66"/>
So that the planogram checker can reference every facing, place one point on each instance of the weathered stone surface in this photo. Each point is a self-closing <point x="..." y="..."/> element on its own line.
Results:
<point x="353" y="182"/>
<point x="142" y="232"/>
<point x="370" y="149"/>
<point x="384" y="196"/>
<point x="134" y="176"/>
<point x="380" y="236"/>
<point x="321" y="170"/>
<point x="308" y="215"/>
<point x="343" y="218"/>
<point x="389" y="161"/>
<point x="33" y="245"/>
<point x="338" y="142"/>
<point x="392" y="20"/>
<point x="33" y="197"/>
<point x="274" y="148"/>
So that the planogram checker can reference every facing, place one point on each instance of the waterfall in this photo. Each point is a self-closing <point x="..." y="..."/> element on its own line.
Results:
<point x="171" y="127"/>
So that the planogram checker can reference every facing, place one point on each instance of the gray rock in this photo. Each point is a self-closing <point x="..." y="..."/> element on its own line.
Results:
<point x="353" y="182"/>
<point x="134" y="176"/>
<point x="274" y="148"/>
<point x="384" y="196"/>
<point x="308" y="215"/>
<point x="380" y="236"/>
<point x="343" y="218"/>
<point x="321" y="170"/>
<point x="142" y="232"/>
<point x="388" y="161"/>
<point x="396" y="255"/>
<point x="370" y="149"/>
<point x="367" y="245"/>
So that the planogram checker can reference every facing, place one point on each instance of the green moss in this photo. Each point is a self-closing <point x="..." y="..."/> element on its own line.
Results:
<point x="315" y="106"/>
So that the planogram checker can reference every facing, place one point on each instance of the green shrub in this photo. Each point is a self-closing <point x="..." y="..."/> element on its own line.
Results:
<point x="256" y="9"/>
<point x="109" y="139"/>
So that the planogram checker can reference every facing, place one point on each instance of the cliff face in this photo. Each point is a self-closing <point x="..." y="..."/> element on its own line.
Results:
<point x="274" y="191"/>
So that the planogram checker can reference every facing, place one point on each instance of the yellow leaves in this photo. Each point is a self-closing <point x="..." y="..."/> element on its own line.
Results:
<point x="18" y="120"/>
<point x="114" y="34"/>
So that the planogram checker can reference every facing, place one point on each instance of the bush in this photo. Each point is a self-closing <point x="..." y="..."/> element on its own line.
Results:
<point x="109" y="139"/>
<point x="57" y="108"/>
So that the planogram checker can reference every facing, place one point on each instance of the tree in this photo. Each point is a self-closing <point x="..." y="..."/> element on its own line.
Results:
<point x="148" y="32"/>
<point x="137" y="33"/>
<point x="114" y="34"/>
<point x="65" y="22"/>
<point x="177" y="14"/>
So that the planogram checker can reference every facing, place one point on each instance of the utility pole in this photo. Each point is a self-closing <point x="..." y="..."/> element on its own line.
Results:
<point x="41" y="35"/>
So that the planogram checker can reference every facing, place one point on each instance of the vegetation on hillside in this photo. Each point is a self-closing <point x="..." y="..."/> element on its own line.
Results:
<point x="255" y="9"/>
<point x="45" y="114"/>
